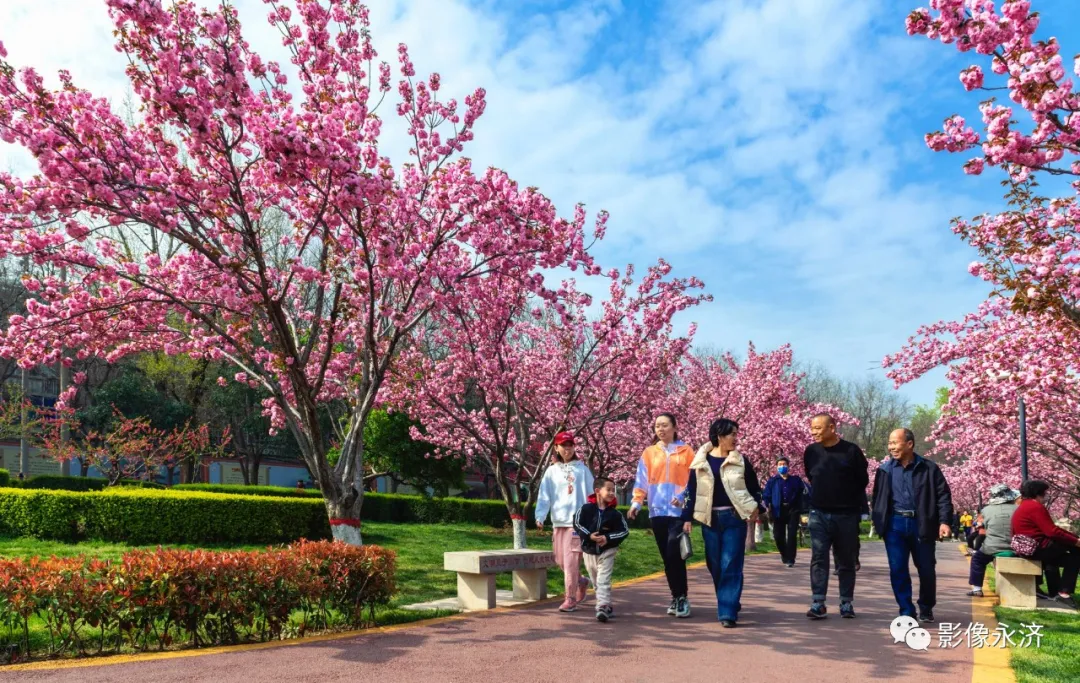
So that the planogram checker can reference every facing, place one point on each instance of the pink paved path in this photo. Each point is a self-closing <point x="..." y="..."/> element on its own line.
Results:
<point x="774" y="641"/>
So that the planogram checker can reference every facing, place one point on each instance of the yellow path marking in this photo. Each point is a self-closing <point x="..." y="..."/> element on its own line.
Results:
<point x="989" y="664"/>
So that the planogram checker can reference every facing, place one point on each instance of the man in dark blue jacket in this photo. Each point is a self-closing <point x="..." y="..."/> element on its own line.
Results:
<point x="784" y="498"/>
<point x="912" y="509"/>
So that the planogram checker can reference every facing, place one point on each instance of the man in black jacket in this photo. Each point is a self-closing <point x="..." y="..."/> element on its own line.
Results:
<point x="601" y="528"/>
<point x="912" y="509"/>
<point x="837" y="471"/>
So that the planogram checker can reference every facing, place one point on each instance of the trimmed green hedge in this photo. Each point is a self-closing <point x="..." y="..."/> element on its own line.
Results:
<point x="141" y="516"/>
<point x="5" y="477"/>
<point x="241" y="490"/>
<point x="399" y="508"/>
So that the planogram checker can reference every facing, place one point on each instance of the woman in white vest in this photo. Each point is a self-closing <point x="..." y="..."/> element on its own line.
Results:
<point x="724" y="511"/>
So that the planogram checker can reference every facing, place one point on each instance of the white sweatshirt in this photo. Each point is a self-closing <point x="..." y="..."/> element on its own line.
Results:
<point x="564" y="489"/>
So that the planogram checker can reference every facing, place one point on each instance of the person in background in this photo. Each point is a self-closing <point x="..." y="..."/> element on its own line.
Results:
<point x="783" y="496"/>
<point x="601" y="528"/>
<point x="662" y="475"/>
<point x="965" y="524"/>
<point x="837" y="471"/>
<point x="1056" y="547"/>
<point x="997" y="517"/>
<point x="564" y="489"/>
<point x="724" y="496"/>
<point x="912" y="509"/>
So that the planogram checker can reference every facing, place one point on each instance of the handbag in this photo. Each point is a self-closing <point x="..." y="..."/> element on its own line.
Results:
<point x="1024" y="546"/>
<point x="686" y="547"/>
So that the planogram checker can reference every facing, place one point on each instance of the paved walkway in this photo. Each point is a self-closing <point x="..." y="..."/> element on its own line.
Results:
<point x="774" y="641"/>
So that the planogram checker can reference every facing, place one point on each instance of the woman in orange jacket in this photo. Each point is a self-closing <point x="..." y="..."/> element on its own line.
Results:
<point x="662" y="475"/>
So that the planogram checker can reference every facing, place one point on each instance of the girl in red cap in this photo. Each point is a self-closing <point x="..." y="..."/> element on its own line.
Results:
<point x="565" y="488"/>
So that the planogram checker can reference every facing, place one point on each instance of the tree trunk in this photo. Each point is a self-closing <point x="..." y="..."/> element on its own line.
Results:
<point x="394" y="484"/>
<point x="519" y="533"/>
<point x="759" y="532"/>
<point x="345" y="519"/>
<point x="187" y="471"/>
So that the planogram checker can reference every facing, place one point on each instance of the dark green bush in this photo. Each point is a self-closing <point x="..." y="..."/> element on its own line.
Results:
<point x="240" y="489"/>
<point x="135" y="515"/>
<point x="5" y="477"/>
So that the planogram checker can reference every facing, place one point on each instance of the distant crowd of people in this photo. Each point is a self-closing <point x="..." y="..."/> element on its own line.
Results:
<point x="717" y="488"/>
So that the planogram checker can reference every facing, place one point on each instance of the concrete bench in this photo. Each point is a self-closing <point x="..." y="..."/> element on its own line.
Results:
<point x="476" y="572"/>
<point x="1016" y="579"/>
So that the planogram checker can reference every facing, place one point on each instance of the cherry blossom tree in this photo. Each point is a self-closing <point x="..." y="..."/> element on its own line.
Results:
<point x="241" y="220"/>
<point x="995" y="356"/>
<point x="761" y="393"/>
<point x="1031" y="250"/>
<point x="1024" y="340"/>
<point x="494" y="379"/>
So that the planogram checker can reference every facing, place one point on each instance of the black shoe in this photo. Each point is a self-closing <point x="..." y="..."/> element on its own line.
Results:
<point x="601" y="616"/>
<point x="682" y="608"/>
<point x="1042" y="596"/>
<point x="789" y="565"/>
<point x="975" y="593"/>
<point x="926" y="616"/>
<point x="673" y="607"/>
<point x="1065" y="601"/>
<point x="817" y="611"/>
<point x="727" y="623"/>
<point x="847" y="610"/>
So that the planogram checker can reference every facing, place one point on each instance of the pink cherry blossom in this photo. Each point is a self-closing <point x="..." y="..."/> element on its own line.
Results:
<point x="244" y="220"/>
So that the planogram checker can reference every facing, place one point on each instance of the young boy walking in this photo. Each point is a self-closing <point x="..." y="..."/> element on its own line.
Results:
<point x="601" y="528"/>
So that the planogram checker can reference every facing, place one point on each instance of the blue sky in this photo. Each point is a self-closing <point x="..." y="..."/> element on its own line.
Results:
<point x="771" y="147"/>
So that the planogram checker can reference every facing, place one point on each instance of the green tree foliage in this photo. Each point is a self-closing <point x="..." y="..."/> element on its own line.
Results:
<point x="392" y="451"/>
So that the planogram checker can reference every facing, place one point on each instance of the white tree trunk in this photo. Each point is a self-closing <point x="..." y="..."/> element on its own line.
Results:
<point x="759" y="532"/>
<point x="519" y="534"/>
<point x="345" y="520"/>
<point x="346" y="534"/>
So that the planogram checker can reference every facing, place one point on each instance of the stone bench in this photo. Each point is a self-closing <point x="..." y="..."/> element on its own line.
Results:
<point x="1016" y="579"/>
<point x="476" y="572"/>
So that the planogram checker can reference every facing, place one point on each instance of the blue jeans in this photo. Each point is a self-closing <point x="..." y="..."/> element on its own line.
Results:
<point x="725" y="549"/>
<point x="901" y="542"/>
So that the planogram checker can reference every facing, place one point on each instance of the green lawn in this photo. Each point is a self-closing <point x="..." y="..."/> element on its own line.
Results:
<point x="1056" y="660"/>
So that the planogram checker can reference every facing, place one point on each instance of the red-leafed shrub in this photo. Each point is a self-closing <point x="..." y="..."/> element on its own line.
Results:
<point x="201" y="597"/>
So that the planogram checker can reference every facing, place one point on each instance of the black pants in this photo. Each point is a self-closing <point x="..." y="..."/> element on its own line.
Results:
<point x="1055" y="557"/>
<point x="830" y="531"/>
<point x="785" y="529"/>
<point x="666" y="530"/>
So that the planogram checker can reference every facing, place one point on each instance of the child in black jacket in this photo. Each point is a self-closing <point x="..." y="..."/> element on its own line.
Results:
<point x="601" y="528"/>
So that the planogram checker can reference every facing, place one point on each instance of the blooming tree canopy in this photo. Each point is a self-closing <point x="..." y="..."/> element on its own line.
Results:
<point x="1024" y="341"/>
<point x="495" y="380"/>
<point x="243" y="220"/>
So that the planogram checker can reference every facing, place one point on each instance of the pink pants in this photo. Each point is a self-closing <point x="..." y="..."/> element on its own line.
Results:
<point x="567" y="549"/>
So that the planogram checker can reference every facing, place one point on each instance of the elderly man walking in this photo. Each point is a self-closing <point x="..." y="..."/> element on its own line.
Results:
<point x="911" y="508"/>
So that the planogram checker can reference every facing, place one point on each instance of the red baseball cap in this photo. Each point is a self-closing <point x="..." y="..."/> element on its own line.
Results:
<point x="563" y="438"/>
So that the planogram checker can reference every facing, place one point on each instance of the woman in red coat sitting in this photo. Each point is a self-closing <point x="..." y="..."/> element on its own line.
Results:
<point x="1056" y="546"/>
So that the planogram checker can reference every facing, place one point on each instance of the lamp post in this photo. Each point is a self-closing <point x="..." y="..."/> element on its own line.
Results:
<point x="1022" y="416"/>
<point x="1023" y="440"/>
